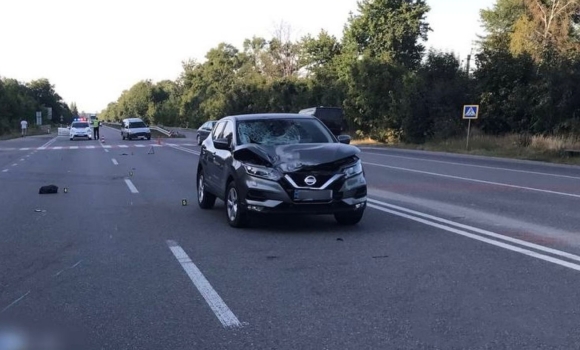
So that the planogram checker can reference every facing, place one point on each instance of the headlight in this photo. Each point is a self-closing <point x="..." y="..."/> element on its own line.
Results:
<point x="263" y="172"/>
<point x="353" y="170"/>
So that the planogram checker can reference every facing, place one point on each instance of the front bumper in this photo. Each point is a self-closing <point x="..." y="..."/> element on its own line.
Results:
<point x="270" y="197"/>
<point x="139" y="134"/>
<point x="83" y="135"/>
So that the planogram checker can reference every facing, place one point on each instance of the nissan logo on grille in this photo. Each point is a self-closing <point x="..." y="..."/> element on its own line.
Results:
<point x="310" y="180"/>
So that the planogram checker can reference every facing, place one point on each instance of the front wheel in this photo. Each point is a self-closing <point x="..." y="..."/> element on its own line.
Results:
<point x="349" y="219"/>
<point x="205" y="199"/>
<point x="237" y="217"/>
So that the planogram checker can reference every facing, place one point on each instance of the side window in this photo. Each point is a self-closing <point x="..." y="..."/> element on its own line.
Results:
<point x="217" y="130"/>
<point x="205" y="126"/>
<point x="228" y="132"/>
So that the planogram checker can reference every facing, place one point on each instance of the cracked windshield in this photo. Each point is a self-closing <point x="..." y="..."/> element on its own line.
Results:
<point x="345" y="174"/>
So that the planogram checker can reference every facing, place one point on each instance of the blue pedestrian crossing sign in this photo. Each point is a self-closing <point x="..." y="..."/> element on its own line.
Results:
<point x="470" y="111"/>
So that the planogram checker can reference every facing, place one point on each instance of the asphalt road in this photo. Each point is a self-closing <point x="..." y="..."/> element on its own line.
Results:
<point x="454" y="252"/>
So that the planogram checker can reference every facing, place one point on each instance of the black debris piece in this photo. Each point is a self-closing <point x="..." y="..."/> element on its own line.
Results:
<point x="49" y="189"/>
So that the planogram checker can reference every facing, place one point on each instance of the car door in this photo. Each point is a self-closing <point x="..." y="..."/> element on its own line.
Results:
<point x="208" y="152"/>
<point x="222" y="157"/>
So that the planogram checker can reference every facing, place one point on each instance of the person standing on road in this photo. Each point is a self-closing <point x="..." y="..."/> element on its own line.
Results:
<point x="24" y="127"/>
<point x="96" y="134"/>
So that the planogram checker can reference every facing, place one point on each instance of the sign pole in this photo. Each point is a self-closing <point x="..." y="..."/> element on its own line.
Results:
<point x="468" y="132"/>
<point x="470" y="112"/>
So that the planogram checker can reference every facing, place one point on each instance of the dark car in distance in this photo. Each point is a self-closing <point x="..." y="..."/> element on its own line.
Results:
<point x="204" y="130"/>
<point x="283" y="164"/>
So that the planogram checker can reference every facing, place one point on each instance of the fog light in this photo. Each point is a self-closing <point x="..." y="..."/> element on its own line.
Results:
<point x="255" y="207"/>
<point x="360" y="205"/>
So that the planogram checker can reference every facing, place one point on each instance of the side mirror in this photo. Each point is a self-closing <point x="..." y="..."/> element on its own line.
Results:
<point x="223" y="144"/>
<point x="344" y="139"/>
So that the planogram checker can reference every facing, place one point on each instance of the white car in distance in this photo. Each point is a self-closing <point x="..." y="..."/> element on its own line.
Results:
<point x="80" y="129"/>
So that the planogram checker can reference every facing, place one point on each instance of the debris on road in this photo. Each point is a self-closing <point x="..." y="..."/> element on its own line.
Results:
<point x="50" y="189"/>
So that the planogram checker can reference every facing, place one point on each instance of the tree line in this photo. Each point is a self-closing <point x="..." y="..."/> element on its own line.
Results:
<point x="20" y="101"/>
<point x="525" y="75"/>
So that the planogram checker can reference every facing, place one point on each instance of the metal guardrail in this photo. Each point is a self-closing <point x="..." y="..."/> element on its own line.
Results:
<point x="161" y="130"/>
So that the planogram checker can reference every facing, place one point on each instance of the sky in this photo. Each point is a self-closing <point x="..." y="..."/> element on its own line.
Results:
<point x="93" y="50"/>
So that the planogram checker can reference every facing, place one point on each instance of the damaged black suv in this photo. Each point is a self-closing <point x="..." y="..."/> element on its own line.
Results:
<point x="280" y="163"/>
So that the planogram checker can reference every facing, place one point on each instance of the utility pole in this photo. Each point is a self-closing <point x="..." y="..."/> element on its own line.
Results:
<point x="468" y="60"/>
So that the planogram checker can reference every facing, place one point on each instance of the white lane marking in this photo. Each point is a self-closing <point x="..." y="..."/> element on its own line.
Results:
<point x="477" y="230"/>
<point x="106" y="150"/>
<point x="5" y="170"/>
<point x="14" y="164"/>
<point x="479" y="238"/>
<point x="140" y="146"/>
<point x="90" y="147"/>
<point x="475" y="166"/>
<point x="24" y="149"/>
<point x="14" y="302"/>
<point x="50" y="142"/>
<point x="57" y="147"/>
<point x="22" y="159"/>
<point x="215" y="302"/>
<point x="123" y="146"/>
<point x="107" y="146"/>
<point x="74" y="147"/>
<point x="186" y="150"/>
<point x="475" y="180"/>
<point x="132" y="187"/>
<point x="114" y="161"/>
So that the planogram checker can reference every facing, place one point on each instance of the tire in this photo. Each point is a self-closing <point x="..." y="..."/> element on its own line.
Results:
<point x="349" y="219"/>
<point x="123" y="135"/>
<point x="71" y="138"/>
<point x="148" y="137"/>
<point x="198" y="140"/>
<point x="205" y="199"/>
<point x="235" y="214"/>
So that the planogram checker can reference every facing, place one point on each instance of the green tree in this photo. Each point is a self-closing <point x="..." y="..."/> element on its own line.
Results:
<point x="389" y="30"/>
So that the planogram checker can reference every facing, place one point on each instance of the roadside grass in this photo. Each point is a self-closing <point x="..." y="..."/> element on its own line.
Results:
<point x="33" y="131"/>
<point x="538" y="148"/>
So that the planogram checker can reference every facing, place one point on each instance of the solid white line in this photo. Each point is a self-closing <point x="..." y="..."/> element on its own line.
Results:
<point x="215" y="302"/>
<point x="50" y="142"/>
<point x="482" y="239"/>
<point x="114" y="161"/>
<point x="132" y="187"/>
<point x="477" y="230"/>
<point x="475" y="180"/>
<point x="186" y="150"/>
<point x="14" y="302"/>
<point x="476" y="166"/>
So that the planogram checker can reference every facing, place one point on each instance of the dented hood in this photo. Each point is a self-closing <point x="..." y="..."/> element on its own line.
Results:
<point x="295" y="156"/>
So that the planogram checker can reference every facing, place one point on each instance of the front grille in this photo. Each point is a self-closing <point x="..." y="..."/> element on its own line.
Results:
<point x="321" y="179"/>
